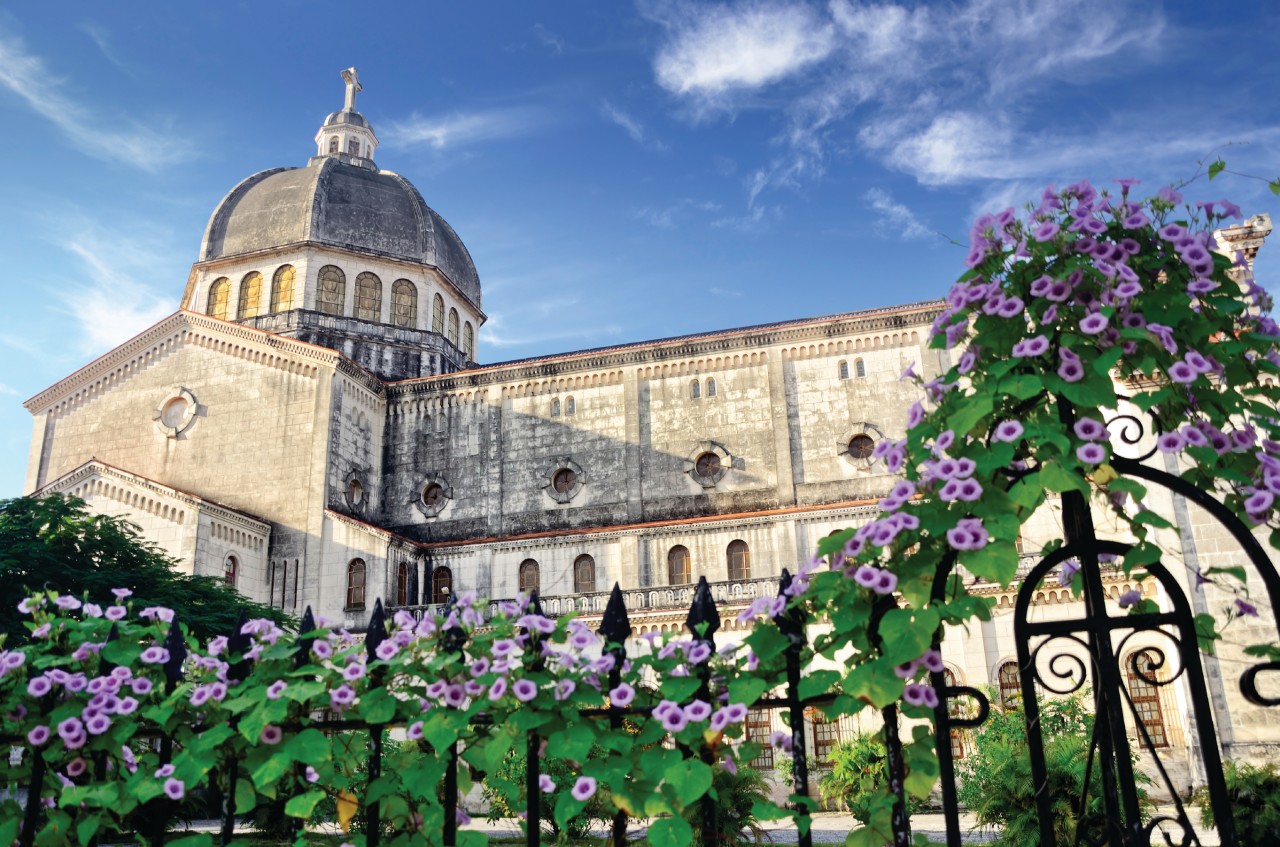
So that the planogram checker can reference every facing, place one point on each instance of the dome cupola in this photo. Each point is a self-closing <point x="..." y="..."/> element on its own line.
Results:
<point x="348" y="134"/>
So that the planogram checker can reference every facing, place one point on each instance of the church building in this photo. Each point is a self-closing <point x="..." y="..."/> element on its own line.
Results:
<point x="314" y="425"/>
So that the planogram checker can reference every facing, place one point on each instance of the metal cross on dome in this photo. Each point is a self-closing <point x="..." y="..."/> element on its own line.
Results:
<point x="352" y="78"/>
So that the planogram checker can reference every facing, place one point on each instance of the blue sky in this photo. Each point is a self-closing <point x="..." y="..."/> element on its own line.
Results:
<point x="618" y="171"/>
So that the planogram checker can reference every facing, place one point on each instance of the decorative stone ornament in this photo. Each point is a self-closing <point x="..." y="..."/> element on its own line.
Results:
<point x="857" y="443"/>
<point x="177" y="412"/>
<point x="709" y="462"/>
<point x="565" y="479"/>
<point x="355" y="494"/>
<point x="434" y="494"/>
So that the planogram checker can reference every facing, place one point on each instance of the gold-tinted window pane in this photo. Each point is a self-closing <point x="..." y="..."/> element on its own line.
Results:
<point x="404" y="303"/>
<point x="332" y="290"/>
<point x="250" y="296"/>
<point x="219" y="294"/>
<point x="468" y="342"/>
<point x="1010" y="685"/>
<point x="759" y="728"/>
<point x="826" y="735"/>
<point x="584" y="575"/>
<point x="402" y="584"/>
<point x="1146" y="699"/>
<point x="368" y="297"/>
<point x="355" y="584"/>
<point x="528" y="576"/>
<point x="437" y="314"/>
<point x="441" y="585"/>
<point x="678" y="566"/>
<point x="453" y="327"/>
<point x="282" y="284"/>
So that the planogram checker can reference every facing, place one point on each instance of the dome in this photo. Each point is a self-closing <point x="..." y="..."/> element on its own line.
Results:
<point x="340" y="204"/>
<point x="345" y="117"/>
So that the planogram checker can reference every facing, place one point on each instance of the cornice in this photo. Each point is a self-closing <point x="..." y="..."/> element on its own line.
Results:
<point x="667" y="349"/>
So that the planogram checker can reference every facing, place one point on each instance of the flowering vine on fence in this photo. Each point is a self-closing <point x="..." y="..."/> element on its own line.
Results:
<point x="1087" y="289"/>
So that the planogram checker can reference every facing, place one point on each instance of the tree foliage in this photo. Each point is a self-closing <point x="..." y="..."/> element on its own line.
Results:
<point x="54" y="543"/>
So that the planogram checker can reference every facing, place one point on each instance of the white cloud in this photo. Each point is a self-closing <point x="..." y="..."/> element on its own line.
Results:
<point x="549" y="39"/>
<point x="668" y="217"/>
<point x="113" y="138"/>
<point x="4" y="389"/>
<point x="459" y="128"/>
<point x="715" y="50"/>
<point x="119" y="303"/>
<point x="896" y="217"/>
<point x="630" y="125"/>
<point x="495" y="333"/>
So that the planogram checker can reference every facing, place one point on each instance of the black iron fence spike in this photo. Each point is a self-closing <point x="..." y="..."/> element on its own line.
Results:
<point x="704" y="617"/>
<point x="176" y="646"/>
<point x="237" y="645"/>
<point x="535" y="603"/>
<point x="376" y="633"/>
<point x="303" y="654"/>
<point x="615" y="625"/>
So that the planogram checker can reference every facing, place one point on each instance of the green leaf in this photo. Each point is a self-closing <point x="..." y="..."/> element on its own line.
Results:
<point x="1237" y="572"/>
<point x="681" y="688"/>
<point x="574" y="741"/>
<point x="302" y="690"/>
<point x="246" y="797"/>
<point x="817" y="682"/>
<point x="1274" y="185"/>
<point x="1022" y="386"/>
<point x="1057" y="478"/>
<point x="766" y="811"/>
<point x="690" y="778"/>
<point x="88" y="827"/>
<point x="309" y="746"/>
<point x="907" y="633"/>
<point x="670" y="832"/>
<point x="270" y="771"/>
<point x="1216" y="168"/>
<point x="1206" y="633"/>
<point x="767" y="642"/>
<point x="199" y="839"/>
<point x="997" y="562"/>
<point x="747" y="690"/>
<point x="378" y="706"/>
<point x="1143" y="554"/>
<point x="302" y="805"/>
<point x="874" y="683"/>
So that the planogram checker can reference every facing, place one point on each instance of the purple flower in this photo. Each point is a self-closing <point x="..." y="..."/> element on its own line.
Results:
<point x="271" y="735"/>
<point x="97" y="724"/>
<point x="1089" y="429"/>
<point x="1182" y="372"/>
<point x="276" y="689"/>
<point x="673" y="720"/>
<point x="154" y="655"/>
<point x="968" y="534"/>
<point x="164" y="770"/>
<point x="174" y="789"/>
<point x="1091" y="454"/>
<point x="697" y="711"/>
<point x="1045" y="232"/>
<point x="916" y="694"/>
<point x="546" y="784"/>
<point x="160" y="613"/>
<point x="583" y="789"/>
<point x="886" y="582"/>
<point x="1067" y="571"/>
<point x="1259" y="503"/>
<point x="141" y="686"/>
<point x="387" y="650"/>
<point x="341" y="697"/>
<point x="312" y="775"/>
<point x="1030" y="347"/>
<point x="38" y="736"/>
<point x="1007" y="431"/>
<point x="76" y="766"/>
<point x="780" y="739"/>
<point x="525" y="690"/>
<point x="622" y="696"/>
<point x="498" y="689"/>
<point x="1245" y="608"/>
<point x="1093" y="324"/>
<point x="1170" y="442"/>
<point x="1130" y="598"/>
<point x="38" y="686"/>
<point x="321" y="648"/>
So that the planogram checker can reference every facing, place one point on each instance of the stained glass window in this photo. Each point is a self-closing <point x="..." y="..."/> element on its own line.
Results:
<point x="355" y="584"/>
<point x="437" y="314"/>
<point x="528" y="576"/>
<point x="331" y="293"/>
<point x="404" y="303"/>
<point x="468" y="342"/>
<point x="739" y="560"/>
<point x="402" y="584"/>
<point x="282" y="283"/>
<point x="1010" y="685"/>
<point x="678" y="566"/>
<point x="250" y="296"/>
<point x="1146" y="697"/>
<point x="453" y="327"/>
<point x="441" y="585"/>
<point x="368" y="297"/>
<point x="584" y="574"/>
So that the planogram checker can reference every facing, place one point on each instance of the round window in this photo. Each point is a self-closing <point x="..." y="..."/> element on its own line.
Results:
<point x="861" y="446"/>
<point x="707" y="465"/>
<point x="564" y="480"/>
<point x="433" y="496"/>
<point x="355" y="492"/>
<point x="174" y="412"/>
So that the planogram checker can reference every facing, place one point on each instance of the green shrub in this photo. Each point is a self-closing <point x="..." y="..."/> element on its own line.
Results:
<point x="997" y="786"/>
<point x="858" y="768"/>
<point x="1255" y="803"/>
<point x="504" y="790"/>
<point x="734" y="797"/>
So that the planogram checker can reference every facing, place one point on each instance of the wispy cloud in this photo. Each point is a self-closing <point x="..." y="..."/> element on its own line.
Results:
<point x="439" y="132"/>
<point x="725" y="292"/>
<point x="113" y="138"/>
<point x="497" y="333"/>
<point x="631" y="126"/>
<point x="714" y="51"/>
<point x="102" y="40"/>
<point x="895" y="217"/>
<point x="4" y="389"/>
<point x="121" y="301"/>
<point x="668" y="217"/>
<point x="549" y="39"/>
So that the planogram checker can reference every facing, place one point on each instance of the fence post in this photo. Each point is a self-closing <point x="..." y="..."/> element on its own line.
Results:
<point x="791" y="624"/>
<point x="375" y="635"/>
<point x="892" y="743"/>
<point x="533" y="767"/>
<point x="703" y="621"/>
<point x="615" y="626"/>
<point x="176" y="646"/>
<point x="454" y="639"/>
<point x="31" y="815"/>
<point x="237" y="644"/>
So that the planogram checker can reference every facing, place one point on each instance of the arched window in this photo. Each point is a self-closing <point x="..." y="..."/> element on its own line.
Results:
<point x="403" y="585"/>
<point x="844" y="369"/>
<point x="953" y="709"/>
<point x="678" y="566"/>
<point x="230" y="570"/>
<point x="441" y="585"/>
<point x="584" y="574"/>
<point x="453" y="327"/>
<point x="1145" y="694"/>
<point x="711" y="387"/>
<point x="355" y="584"/>
<point x="528" y="576"/>
<point x="695" y="389"/>
<point x="250" y="296"/>
<point x="282" y="288"/>
<point x="1009" y="684"/>
<point x="860" y="367"/>
<point x="219" y="294"/>
<point x="739" y="560"/>
<point x="468" y="342"/>
<point x="404" y="303"/>
<point x="353" y="147"/>
<point x="555" y="408"/>
<point x="368" y="297"/>
<point x="333" y="144"/>
<point x="569" y="406"/>
<point x="331" y="293"/>
<point x="437" y="314"/>
<point x="826" y="735"/>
